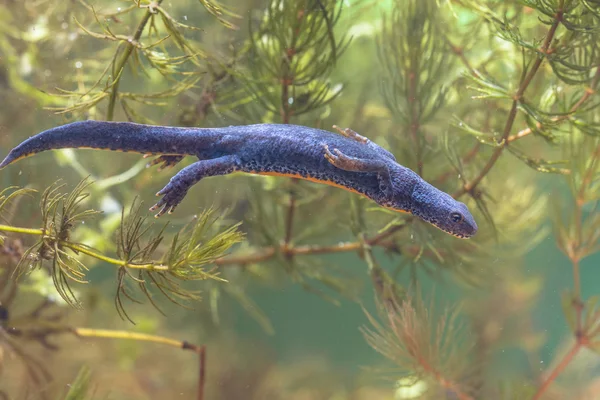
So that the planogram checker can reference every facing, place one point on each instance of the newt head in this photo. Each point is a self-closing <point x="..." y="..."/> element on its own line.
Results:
<point x="442" y="210"/>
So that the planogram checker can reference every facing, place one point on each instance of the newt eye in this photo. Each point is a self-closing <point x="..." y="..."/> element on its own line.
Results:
<point x="456" y="217"/>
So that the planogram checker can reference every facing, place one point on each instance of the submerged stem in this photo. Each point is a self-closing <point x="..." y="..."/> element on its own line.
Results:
<point x="85" y="250"/>
<point x="115" y="334"/>
<point x="115" y="261"/>
<point x="557" y="370"/>
<point x="16" y="229"/>
<point x="120" y="65"/>
<point x="266" y="253"/>
<point x="469" y="186"/>
<point x="144" y="337"/>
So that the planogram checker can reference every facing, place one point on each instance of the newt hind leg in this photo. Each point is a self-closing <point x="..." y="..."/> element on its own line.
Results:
<point x="349" y="133"/>
<point x="166" y="161"/>
<point x="348" y="163"/>
<point x="174" y="192"/>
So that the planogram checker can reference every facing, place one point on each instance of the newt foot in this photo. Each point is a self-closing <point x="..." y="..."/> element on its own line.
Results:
<point x="166" y="161"/>
<point x="341" y="160"/>
<point x="349" y="133"/>
<point x="173" y="194"/>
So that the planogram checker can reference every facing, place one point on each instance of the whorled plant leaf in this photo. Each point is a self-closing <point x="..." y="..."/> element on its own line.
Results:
<point x="413" y="55"/>
<point x="310" y="50"/>
<point x="194" y="247"/>
<point x="219" y="11"/>
<point x="423" y="344"/>
<point x="197" y="245"/>
<point x="133" y="51"/>
<point x="10" y="194"/>
<point x="60" y="214"/>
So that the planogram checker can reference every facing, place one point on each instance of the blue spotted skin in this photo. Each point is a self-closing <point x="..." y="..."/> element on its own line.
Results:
<point x="351" y="162"/>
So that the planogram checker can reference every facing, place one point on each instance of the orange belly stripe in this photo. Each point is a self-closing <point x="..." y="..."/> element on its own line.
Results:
<point x="325" y="182"/>
<point x="308" y="178"/>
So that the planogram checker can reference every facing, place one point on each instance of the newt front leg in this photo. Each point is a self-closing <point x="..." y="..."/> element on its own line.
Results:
<point x="348" y="163"/>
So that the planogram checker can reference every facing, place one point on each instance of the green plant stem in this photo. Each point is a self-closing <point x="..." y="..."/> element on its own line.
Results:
<point x="115" y="261"/>
<point x="469" y="186"/>
<point x="116" y="334"/>
<point x="120" y="65"/>
<point x="26" y="231"/>
<point x="144" y="337"/>
<point x="82" y="249"/>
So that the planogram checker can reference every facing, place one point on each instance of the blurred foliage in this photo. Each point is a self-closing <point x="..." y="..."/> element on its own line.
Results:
<point x="424" y="346"/>
<point x="80" y="388"/>
<point x="491" y="101"/>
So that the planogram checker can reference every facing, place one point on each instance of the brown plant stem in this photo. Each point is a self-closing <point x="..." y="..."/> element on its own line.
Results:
<point x="591" y="90"/>
<point x="289" y="220"/>
<point x="578" y="303"/>
<point x="459" y="52"/>
<point x="443" y="382"/>
<point x="573" y="252"/>
<point x="566" y="360"/>
<point x="470" y="186"/>
<point x="414" y="349"/>
<point x="414" y="118"/>
<point x="286" y="81"/>
<point x="201" y="372"/>
<point x="267" y="253"/>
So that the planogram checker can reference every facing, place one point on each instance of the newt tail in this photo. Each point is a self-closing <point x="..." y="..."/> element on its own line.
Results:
<point x="346" y="160"/>
<point x="117" y="136"/>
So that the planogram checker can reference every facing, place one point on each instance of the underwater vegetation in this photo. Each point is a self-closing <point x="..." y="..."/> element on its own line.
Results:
<point x="494" y="103"/>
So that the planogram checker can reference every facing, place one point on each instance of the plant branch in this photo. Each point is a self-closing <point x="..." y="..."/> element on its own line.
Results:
<point x="573" y="250"/>
<point x="143" y="337"/>
<point x="26" y="231"/>
<point x="470" y="186"/>
<point x="78" y="248"/>
<point x="120" y="65"/>
<point x="459" y="52"/>
<point x="414" y="117"/>
<point x="557" y="370"/>
<point x="443" y="382"/>
<point x="82" y="249"/>
<point x="286" y="80"/>
<point x="591" y="90"/>
<point x="267" y="253"/>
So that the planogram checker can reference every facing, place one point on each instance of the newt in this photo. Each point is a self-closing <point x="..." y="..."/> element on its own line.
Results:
<point x="346" y="160"/>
